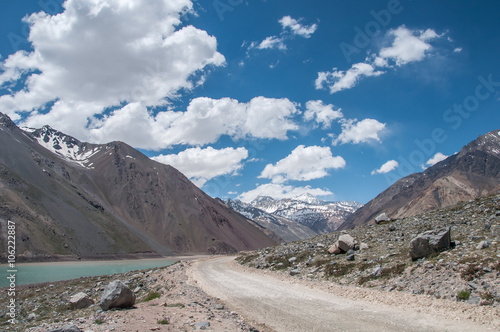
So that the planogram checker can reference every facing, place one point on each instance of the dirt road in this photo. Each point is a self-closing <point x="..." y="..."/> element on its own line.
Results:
<point x="274" y="303"/>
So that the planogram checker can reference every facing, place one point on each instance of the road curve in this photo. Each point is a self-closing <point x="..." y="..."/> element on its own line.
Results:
<point x="282" y="305"/>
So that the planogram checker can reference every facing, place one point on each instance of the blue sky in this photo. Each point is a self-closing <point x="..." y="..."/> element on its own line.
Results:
<point x="333" y="98"/>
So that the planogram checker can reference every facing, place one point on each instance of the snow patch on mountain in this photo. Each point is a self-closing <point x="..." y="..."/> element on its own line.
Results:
<point x="64" y="146"/>
<point x="308" y="210"/>
<point x="286" y="229"/>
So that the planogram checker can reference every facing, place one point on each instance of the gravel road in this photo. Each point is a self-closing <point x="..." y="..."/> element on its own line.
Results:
<point x="275" y="303"/>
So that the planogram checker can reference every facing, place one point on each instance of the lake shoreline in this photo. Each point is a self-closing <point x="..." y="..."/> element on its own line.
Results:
<point x="90" y="263"/>
<point x="105" y="257"/>
<point x="178" y="304"/>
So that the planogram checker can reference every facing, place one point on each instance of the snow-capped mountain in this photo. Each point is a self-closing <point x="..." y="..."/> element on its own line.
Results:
<point x="319" y="215"/>
<point x="65" y="146"/>
<point x="288" y="230"/>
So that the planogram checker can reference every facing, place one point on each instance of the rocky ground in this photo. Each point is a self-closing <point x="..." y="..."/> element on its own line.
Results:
<point x="469" y="271"/>
<point x="166" y="301"/>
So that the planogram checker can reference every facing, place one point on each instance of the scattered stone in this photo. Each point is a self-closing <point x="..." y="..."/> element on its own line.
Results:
<point x="294" y="272"/>
<point x="377" y="272"/>
<point x="363" y="246"/>
<point x="66" y="328"/>
<point x="495" y="230"/>
<point x="429" y="242"/>
<point x="202" y="325"/>
<point x="475" y="300"/>
<point x="117" y="295"/>
<point x="80" y="301"/>
<point x="32" y="316"/>
<point x="472" y="285"/>
<point x="219" y="307"/>
<point x="392" y="228"/>
<point x="381" y="218"/>
<point x="350" y="257"/>
<point x="335" y="249"/>
<point x="486" y="302"/>
<point x="483" y="245"/>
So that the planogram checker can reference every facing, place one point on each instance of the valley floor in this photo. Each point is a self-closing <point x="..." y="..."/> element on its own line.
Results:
<point x="278" y="302"/>
<point x="166" y="301"/>
<point x="217" y="294"/>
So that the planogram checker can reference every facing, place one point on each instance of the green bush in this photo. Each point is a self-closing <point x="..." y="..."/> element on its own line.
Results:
<point x="463" y="295"/>
<point x="152" y="296"/>
<point x="163" y="321"/>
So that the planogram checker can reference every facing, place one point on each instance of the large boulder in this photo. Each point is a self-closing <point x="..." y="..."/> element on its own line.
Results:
<point x="117" y="295"/>
<point x="382" y="218"/>
<point x="343" y="244"/>
<point x="346" y="242"/>
<point x="334" y="249"/>
<point x="80" y="301"/>
<point x="430" y="242"/>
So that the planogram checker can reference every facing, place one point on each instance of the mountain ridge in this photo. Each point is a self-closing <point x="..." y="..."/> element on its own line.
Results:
<point x="285" y="229"/>
<point x="79" y="199"/>
<point x="321" y="216"/>
<point x="472" y="173"/>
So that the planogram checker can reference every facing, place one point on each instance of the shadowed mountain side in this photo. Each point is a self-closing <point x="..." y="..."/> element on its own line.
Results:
<point x="85" y="200"/>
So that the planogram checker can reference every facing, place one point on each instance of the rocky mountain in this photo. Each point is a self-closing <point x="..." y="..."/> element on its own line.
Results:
<point x="286" y="229"/>
<point x="72" y="198"/>
<point x="473" y="172"/>
<point x="319" y="215"/>
<point x="466" y="271"/>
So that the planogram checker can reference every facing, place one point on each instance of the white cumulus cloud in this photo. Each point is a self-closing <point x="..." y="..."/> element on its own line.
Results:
<point x="305" y="31"/>
<point x="279" y="191"/>
<point x="406" y="46"/>
<point x="303" y="164"/>
<point x="387" y="167"/>
<point x="290" y="27"/>
<point x="354" y="131"/>
<point x="322" y="114"/>
<point x="201" y="165"/>
<point x="338" y="80"/>
<point x="105" y="54"/>
<point x="435" y="159"/>
<point x="203" y="122"/>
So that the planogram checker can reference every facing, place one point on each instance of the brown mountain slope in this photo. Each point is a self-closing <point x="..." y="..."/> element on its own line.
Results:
<point x="472" y="173"/>
<point x="87" y="200"/>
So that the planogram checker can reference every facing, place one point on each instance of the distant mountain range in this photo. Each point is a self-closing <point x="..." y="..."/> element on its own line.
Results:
<point x="70" y="198"/>
<point x="284" y="229"/>
<point x="472" y="173"/>
<point x="302" y="214"/>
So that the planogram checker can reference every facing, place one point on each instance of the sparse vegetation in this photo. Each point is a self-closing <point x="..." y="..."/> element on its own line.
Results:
<point x="151" y="296"/>
<point x="486" y="296"/>
<point x="246" y="258"/>
<point x="463" y="295"/>
<point x="164" y="321"/>
<point x="99" y="319"/>
<point x="471" y="272"/>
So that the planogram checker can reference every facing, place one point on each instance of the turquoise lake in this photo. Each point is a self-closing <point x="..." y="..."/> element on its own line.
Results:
<point x="30" y="273"/>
